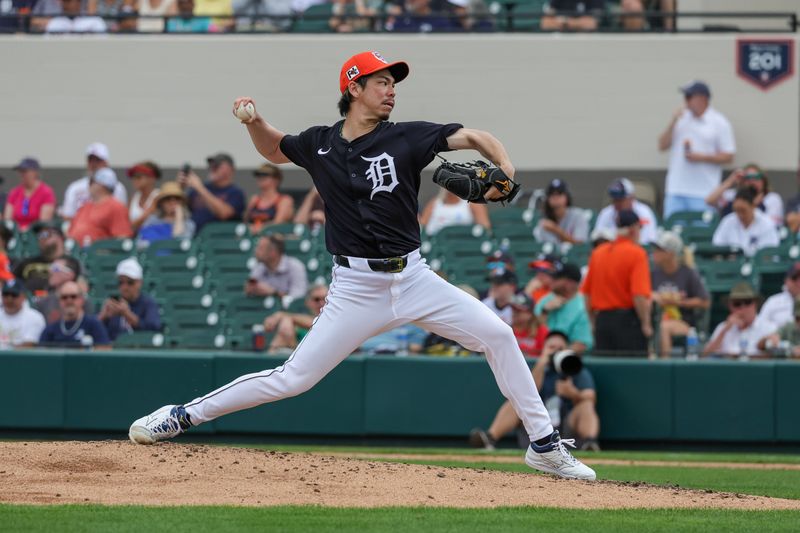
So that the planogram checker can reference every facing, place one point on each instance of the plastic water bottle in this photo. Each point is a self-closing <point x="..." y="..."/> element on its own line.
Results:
<point x="692" y="345"/>
<point x="743" y="355"/>
<point x="402" y="342"/>
<point x="259" y="339"/>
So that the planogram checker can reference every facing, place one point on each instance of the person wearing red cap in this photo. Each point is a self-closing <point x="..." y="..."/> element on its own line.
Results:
<point x="144" y="177"/>
<point x="367" y="170"/>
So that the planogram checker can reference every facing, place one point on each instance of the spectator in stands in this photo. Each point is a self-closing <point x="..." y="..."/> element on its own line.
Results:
<point x="747" y="227"/>
<point x="678" y="290"/>
<point x="62" y="270"/>
<point x="221" y="10"/>
<point x="564" y="309"/>
<point x="14" y="15"/>
<point x="623" y="197"/>
<point x="154" y="8"/>
<point x="263" y="15"/>
<point x="472" y="15"/>
<point x="418" y="16"/>
<point x="44" y="10"/>
<point x="700" y="140"/>
<point x="20" y="326"/>
<point x="617" y="291"/>
<point x="34" y="272"/>
<point x="792" y="209"/>
<point x="312" y="210"/>
<point x="75" y="329"/>
<point x="446" y="209"/>
<point x="633" y="18"/>
<point x="572" y="15"/>
<point x="290" y="328"/>
<point x="403" y="340"/>
<point x="74" y="20"/>
<point x="740" y="332"/>
<point x="502" y="290"/>
<point x="540" y="283"/>
<point x="561" y="222"/>
<point x="131" y="309"/>
<point x="187" y="22"/>
<point x="499" y="261"/>
<point x="528" y="329"/>
<point x="344" y="20"/>
<point x="778" y="308"/>
<point x="269" y="206"/>
<point x="217" y="199"/>
<point x="788" y="332"/>
<point x="750" y="176"/>
<point x="32" y="200"/>
<point x="5" y="265"/>
<point x="77" y="193"/>
<point x="275" y="273"/>
<point x="144" y="177"/>
<point x="171" y="219"/>
<point x="103" y="216"/>
<point x="571" y="401"/>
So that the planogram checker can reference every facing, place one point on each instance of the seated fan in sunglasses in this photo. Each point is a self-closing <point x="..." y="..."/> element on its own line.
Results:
<point x="75" y="329"/>
<point x="740" y="332"/>
<point x="290" y="328"/>
<point x="61" y="271"/>
<point x="129" y="310"/>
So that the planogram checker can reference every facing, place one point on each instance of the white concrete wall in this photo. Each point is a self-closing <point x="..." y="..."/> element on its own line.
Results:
<point x="558" y="102"/>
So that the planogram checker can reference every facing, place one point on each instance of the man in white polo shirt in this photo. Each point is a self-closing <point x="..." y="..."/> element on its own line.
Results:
<point x="20" y="326"/>
<point x="700" y="140"/>
<point x="779" y="308"/>
<point x="77" y="193"/>
<point x="623" y="198"/>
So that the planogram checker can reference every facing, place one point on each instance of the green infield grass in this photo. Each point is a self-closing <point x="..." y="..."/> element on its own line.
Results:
<point x="121" y="519"/>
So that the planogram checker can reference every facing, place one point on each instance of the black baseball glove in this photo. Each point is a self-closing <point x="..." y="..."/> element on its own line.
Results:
<point x="473" y="179"/>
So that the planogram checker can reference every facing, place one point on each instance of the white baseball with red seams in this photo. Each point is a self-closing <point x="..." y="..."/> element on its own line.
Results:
<point x="245" y="111"/>
<point x="362" y="303"/>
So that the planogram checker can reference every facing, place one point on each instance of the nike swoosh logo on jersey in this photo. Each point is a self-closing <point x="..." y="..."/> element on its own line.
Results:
<point x="323" y="152"/>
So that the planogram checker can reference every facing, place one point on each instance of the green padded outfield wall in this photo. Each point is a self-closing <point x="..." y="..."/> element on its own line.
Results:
<point x="639" y="400"/>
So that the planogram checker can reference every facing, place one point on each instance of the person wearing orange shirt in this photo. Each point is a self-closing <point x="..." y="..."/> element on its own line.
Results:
<point x="103" y="216"/>
<point x="617" y="291"/>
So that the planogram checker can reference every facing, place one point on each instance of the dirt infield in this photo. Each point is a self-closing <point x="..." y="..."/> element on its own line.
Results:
<point x="118" y="472"/>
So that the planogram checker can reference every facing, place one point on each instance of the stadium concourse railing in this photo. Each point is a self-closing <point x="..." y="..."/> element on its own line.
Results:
<point x="708" y="401"/>
<point x="499" y="16"/>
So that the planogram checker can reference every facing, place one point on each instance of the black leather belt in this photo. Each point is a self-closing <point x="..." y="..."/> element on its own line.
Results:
<point x="390" y="264"/>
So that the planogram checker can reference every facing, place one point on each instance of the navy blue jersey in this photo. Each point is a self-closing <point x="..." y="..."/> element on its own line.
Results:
<point x="370" y="185"/>
<point x="73" y="335"/>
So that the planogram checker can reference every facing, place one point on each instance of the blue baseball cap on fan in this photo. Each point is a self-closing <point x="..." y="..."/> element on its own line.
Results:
<point x="695" y="87"/>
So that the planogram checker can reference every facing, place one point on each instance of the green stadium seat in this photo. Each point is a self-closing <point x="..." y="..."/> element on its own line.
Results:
<point x="166" y="247"/>
<point x="771" y="265"/>
<point x="110" y="247"/>
<point x="461" y="232"/>
<point x="224" y="230"/>
<point x="171" y="264"/>
<point x="141" y="339"/>
<point x="705" y="219"/>
<point x="314" y="19"/>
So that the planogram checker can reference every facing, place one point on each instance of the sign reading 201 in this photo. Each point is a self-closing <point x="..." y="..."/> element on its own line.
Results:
<point x="764" y="62"/>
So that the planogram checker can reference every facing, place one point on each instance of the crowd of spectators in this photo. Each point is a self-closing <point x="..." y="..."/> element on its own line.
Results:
<point x="343" y="16"/>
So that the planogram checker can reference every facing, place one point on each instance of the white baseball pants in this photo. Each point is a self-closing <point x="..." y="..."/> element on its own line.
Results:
<point x="362" y="303"/>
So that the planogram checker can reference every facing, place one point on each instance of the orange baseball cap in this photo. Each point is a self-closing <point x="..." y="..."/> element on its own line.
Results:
<point x="366" y="63"/>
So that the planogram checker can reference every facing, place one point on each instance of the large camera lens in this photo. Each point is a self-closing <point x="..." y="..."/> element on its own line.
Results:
<point x="566" y="362"/>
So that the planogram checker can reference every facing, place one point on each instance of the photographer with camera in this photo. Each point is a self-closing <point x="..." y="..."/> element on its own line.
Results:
<point x="567" y="390"/>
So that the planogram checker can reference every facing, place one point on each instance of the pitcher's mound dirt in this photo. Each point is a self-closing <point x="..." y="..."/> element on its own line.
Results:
<point x="118" y="472"/>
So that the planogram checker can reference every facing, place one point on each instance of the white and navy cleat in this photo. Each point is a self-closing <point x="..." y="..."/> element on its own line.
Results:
<point x="165" y="423"/>
<point x="554" y="458"/>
